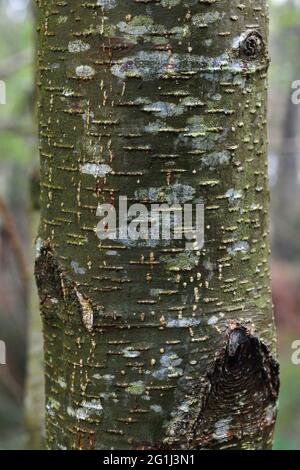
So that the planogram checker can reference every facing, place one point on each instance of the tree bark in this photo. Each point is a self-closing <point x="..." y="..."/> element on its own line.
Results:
<point x="155" y="346"/>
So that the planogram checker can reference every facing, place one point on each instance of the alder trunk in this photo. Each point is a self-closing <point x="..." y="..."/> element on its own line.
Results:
<point x="149" y="344"/>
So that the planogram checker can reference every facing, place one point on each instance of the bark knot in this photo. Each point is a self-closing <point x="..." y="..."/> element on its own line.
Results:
<point x="253" y="46"/>
<point x="235" y="405"/>
<point x="56" y="289"/>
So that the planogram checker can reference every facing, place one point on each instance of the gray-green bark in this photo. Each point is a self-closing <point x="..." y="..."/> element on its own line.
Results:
<point x="155" y="347"/>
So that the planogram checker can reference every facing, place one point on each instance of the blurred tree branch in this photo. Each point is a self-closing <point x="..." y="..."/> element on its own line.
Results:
<point x="15" y="63"/>
<point x="11" y="230"/>
<point x="12" y="126"/>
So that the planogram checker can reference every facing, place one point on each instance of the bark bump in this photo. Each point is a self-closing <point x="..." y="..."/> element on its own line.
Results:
<point x="253" y="46"/>
<point x="55" y="287"/>
<point x="236" y="405"/>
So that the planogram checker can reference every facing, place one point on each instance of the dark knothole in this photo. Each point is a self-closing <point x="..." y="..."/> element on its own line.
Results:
<point x="253" y="46"/>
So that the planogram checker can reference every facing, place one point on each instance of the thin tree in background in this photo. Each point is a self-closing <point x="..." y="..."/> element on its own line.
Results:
<point x="34" y="391"/>
<point x="34" y="401"/>
<point x="149" y="345"/>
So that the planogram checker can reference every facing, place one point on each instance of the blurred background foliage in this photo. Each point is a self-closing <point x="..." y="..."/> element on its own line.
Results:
<point x="18" y="174"/>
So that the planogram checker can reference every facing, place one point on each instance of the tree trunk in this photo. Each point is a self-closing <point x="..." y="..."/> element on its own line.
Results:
<point x="155" y="346"/>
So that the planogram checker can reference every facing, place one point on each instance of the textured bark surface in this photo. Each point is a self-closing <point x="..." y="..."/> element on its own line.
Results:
<point x="155" y="346"/>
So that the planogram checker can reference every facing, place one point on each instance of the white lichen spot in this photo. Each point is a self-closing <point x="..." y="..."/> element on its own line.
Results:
<point x="107" y="4"/>
<point x="182" y="408"/>
<point x="97" y="376"/>
<point x="208" y="42"/>
<point x="111" y="253"/>
<point x="136" y="388"/>
<point x="78" y="46"/>
<point x="169" y="363"/>
<point x="38" y="247"/>
<point x="70" y="411"/>
<point x="92" y="405"/>
<point x="106" y="377"/>
<point x="149" y="65"/>
<point x="52" y="406"/>
<point x="255" y="207"/>
<point x="61" y="447"/>
<point x="86" y="410"/>
<point x="85" y="71"/>
<point x="156" y="408"/>
<point x="146" y="397"/>
<point x="222" y="428"/>
<point x="138" y="26"/>
<point x="182" y="322"/>
<point x="163" y="109"/>
<point x="212" y="320"/>
<point x="62" y="383"/>
<point x="210" y="267"/>
<point x="238" y="40"/>
<point x="216" y="159"/>
<point x="239" y="247"/>
<point x="82" y="414"/>
<point x="77" y="269"/>
<point x="270" y="414"/>
<point x="192" y="102"/>
<point x="62" y="19"/>
<point x="170" y="3"/>
<point x="216" y="97"/>
<point x="155" y="127"/>
<point x="233" y="195"/>
<point x="201" y="20"/>
<point x="96" y="170"/>
<point x="68" y="92"/>
<point x="130" y="353"/>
